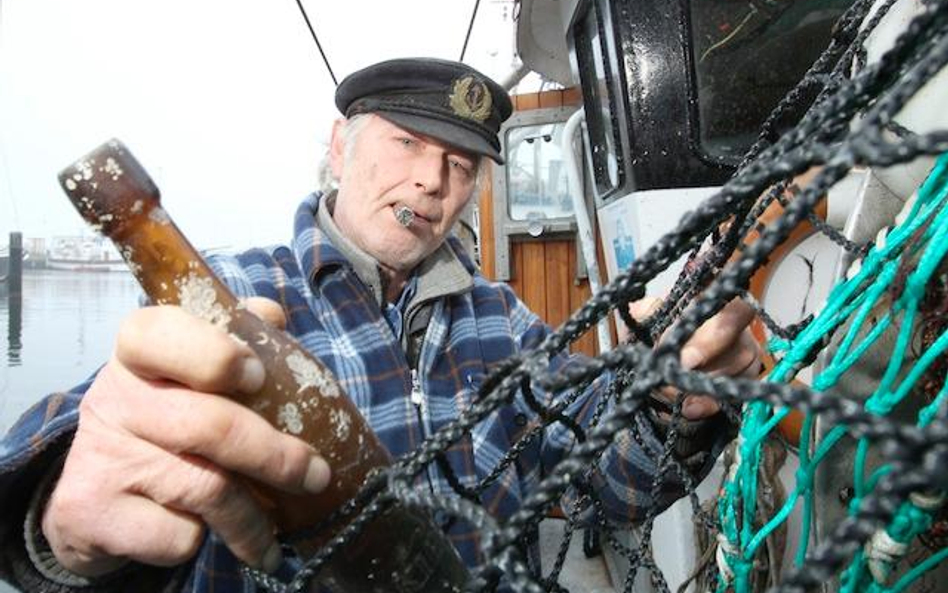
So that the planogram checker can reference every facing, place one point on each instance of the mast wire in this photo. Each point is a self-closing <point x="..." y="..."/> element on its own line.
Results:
<point x="320" y="47"/>
<point x="470" y="27"/>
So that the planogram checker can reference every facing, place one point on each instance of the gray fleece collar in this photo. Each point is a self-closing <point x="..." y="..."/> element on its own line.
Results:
<point x="440" y="274"/>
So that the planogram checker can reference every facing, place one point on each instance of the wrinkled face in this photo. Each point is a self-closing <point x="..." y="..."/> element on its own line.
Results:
<point x="389" y="167"/>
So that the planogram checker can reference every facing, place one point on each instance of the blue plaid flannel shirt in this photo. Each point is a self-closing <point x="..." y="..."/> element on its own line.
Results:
<point x="334" y="315"/>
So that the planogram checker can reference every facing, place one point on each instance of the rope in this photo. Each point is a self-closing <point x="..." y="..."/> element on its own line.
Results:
<point x="888" y="293"/>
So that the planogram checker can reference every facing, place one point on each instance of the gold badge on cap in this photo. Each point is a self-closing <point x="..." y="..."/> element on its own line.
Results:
<point x="470" y="98"/>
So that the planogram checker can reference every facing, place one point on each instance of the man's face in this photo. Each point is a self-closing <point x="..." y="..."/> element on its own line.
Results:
<point x="389" y="167"/>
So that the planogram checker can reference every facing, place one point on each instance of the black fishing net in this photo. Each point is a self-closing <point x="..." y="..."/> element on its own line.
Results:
<point x="851" y="124"/>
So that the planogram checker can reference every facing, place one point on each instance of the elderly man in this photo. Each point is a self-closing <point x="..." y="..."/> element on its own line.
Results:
<point x="128" y="482"/>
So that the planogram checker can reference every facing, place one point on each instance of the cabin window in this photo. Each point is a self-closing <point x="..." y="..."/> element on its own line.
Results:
<point x="747" y="56"/>
<point x="537" y="186"/>
<point x="531" y="191"/>
<point x="596" y="79"/>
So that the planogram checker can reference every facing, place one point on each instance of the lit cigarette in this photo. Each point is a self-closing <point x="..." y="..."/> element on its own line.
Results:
<point x="405" y="216"/>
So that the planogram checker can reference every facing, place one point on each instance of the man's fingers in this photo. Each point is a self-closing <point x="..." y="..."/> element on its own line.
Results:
<point x="696" y="407"/>
<point x="138" y="529"/>
<point x="133" y="528"/>
<point x="741" y="359"/>
<point x="723" y="345"/>
<point x="211" y="426"/>
<point x="217" y="429"/>
<point x="160" y="518"/>
<point x="96" y="519"/>
<point x="643" y="308"/>
<point x="166" y="342"/>
<point x="717" y="335"/>
<point x="268" y="310"/>
<point x="640" y="310"/>
<point x="221" y="501"/>
<point x="161" y="390"/>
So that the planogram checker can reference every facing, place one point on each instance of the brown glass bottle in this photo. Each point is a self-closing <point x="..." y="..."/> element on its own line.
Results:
<point x="402" y="550"/>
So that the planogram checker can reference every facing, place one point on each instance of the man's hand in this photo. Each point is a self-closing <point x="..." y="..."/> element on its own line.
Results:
<point x="156" y="456"/>
<point x="723" y="346"/>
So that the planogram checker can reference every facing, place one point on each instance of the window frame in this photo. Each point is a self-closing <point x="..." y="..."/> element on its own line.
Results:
<point x="507" y="229"/>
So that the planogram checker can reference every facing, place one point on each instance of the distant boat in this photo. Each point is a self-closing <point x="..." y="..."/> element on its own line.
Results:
<point x="84" y="254"/>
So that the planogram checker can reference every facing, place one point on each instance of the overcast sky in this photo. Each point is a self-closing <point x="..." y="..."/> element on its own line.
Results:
<point x="226" y="103"/>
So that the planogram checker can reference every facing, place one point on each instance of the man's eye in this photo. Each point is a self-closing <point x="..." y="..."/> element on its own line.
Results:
<point x="406" y="141"/>
<point x="460" y="167"/>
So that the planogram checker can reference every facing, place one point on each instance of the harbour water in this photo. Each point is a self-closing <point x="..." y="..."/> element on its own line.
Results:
<point x="67" y="325"/>
<point x="63" y="331"/>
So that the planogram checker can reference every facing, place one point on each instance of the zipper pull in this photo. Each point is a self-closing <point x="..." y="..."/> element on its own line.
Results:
<point x="417" y="397"/>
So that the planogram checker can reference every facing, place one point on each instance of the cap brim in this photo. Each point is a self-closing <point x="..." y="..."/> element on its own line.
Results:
<point x="444" y="131"/>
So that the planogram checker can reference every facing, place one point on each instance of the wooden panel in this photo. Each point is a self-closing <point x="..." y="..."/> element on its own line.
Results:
<point x="516" y="268"/>
<point x="550" y="99"/>
<point x="485" y="208"/>
<point x="534" y="277"/>
<point x="558" y="280"/>
<point x="578" y="295"/>
<point x="526" y="102"/>
<point x="572" y="96"/>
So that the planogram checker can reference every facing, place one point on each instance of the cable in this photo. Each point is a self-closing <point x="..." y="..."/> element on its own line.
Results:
<point x="470" y="27"/>
<point x="316" y="39"/>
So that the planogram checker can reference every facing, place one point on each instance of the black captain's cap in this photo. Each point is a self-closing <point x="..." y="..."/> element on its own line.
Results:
<point x="446" y="100"/>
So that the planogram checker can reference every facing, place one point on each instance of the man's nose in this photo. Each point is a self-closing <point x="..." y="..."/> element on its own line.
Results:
<point x="429" y="173"/>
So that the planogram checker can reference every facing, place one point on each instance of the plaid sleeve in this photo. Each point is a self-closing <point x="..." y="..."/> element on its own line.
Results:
<point x="230" y="271"/>
<point x="625" y="475"/>
<point x="32" y="445"/>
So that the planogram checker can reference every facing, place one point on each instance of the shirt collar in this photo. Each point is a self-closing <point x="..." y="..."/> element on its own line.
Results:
<point x="365" y="266"/>
<point x="320" y="245"/>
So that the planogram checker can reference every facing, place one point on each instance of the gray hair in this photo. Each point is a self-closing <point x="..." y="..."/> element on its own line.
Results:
<point x="327" y="182"/>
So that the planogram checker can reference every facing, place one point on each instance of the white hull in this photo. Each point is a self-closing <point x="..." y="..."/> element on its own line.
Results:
<point x="75" y="265"/>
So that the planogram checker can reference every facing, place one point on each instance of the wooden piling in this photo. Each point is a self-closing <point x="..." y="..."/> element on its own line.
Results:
<point x="15" y="265"/>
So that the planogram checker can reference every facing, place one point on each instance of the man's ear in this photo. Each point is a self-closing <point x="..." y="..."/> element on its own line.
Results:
<point x="337" y="147"/>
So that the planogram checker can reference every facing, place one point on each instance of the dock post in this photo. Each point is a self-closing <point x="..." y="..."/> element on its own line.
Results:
<point x="15" y="268"/>
<point x="14" y="286"/>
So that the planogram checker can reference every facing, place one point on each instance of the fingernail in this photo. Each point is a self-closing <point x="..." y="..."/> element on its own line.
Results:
<point x="691" y="358"/>
<point x="690" y="408"/>
<point x="696" y="409"/>
<point x="638" y="310"/>
<point x="273" y="558"/>
<point x="317" y="476"/>
<point x="251" y="375"/>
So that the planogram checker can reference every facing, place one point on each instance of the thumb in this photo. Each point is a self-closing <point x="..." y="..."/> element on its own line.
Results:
<point x="640" y="311"/>
<point x="266" y="309"/>
<point x="643" y="308"/>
